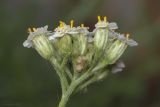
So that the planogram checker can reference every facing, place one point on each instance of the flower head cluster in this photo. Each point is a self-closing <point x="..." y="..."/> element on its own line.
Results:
<point x="82" y="50"/>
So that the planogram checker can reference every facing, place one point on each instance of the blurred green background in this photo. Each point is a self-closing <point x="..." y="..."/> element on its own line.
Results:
<point x="26" y="80"/>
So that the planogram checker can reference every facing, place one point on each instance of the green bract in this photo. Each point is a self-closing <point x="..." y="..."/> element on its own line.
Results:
<point x="38" y="39"/>
<point x="43" y="46"/>
<point x="65" y="45"/>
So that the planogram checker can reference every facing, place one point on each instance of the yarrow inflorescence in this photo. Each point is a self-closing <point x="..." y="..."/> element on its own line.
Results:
<point x="80" y="57"/>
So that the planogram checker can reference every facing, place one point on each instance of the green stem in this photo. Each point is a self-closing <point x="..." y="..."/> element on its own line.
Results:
<point x="87" y="83"/>
<point x="69" y="74"/>
<point x="60" y="72"/>
<point x="67" y="94"/>
<point x="64" y="82"/>
<point x="88" y="73"/>
<point x="99" y="75"/>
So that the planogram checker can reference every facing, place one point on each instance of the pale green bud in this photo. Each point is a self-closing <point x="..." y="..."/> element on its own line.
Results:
<point x="89" y="54"/>
<point x="38" y="39"/>
<point x="115" y="51"/>
<point x="79" y="44"/>
<point x="100" y="43"/>
<point x="100" y="38"/>
<point x="43" y="46"/>
<point x="101" y="33"/>
<point x="82" y="38"/>
<point x="65" y="45"/>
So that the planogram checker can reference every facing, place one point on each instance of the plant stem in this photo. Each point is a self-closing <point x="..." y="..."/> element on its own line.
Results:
<point x="60" y="72"/>
<point x="67" y="94"/>
<point x="63" y="102"/>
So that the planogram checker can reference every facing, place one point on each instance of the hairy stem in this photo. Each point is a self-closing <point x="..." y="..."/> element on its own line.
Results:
<point x="60" y="71"/>
<point x="67" y="94"/>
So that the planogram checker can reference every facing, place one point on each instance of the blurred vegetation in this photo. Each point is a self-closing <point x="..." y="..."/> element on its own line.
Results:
<point x="26" y="80"/>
